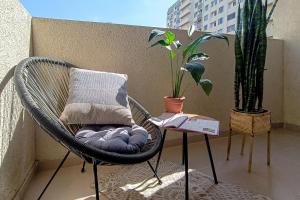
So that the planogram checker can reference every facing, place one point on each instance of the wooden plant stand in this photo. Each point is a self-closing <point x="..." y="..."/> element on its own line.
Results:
<point x="251" y="125"/>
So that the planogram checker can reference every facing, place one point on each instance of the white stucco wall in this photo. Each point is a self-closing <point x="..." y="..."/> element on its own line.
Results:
<point x="17" y="143"/>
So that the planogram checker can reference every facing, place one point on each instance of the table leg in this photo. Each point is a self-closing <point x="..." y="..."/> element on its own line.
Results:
<point x="182" y="162"/>
<point x="229" y="144"/>
<point x="186" y="164"/>
<point x="159" y="154"/>
<point x="269" y="148"/>
<point x="211" y="159"/>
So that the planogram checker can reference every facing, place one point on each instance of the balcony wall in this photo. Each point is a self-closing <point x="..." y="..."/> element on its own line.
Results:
<point x="286" y="26"/>
<point x="123" y="49"/>
<point x="17" y="140"/>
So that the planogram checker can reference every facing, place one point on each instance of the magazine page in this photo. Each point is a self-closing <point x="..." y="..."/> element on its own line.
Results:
<point x="169" y="120"/>
<point x="175" y="121"/>
<point x="210" y="127"/>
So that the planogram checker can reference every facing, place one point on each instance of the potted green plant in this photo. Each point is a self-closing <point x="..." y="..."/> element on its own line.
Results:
<point x="249" y="116"/>
<point x="191" y="58"/>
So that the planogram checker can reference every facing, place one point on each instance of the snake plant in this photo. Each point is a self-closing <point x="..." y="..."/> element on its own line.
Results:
<point x="250" y="54"/>
<point x="191" y="58"/>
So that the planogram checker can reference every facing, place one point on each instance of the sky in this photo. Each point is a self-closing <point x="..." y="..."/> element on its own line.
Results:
<point x="132" y="12"/>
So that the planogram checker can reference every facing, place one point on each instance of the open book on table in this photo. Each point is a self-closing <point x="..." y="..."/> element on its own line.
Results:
<point x="183" y="122"/>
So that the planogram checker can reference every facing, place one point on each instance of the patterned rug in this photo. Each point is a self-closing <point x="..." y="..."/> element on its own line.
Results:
<point x="136" y="182"/>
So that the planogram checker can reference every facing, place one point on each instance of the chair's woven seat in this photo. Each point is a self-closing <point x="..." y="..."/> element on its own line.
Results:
<point x="42" y="85"/>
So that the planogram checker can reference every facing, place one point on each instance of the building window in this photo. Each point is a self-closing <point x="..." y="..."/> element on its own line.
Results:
<point x="213" y="14"/>
<point x="205" y="17"/>
<point x="220" y="30"/>
<point x="220" y="21"/>
<point x="231" y="16"/>
<point x="199" y="19"/>
<point x="213" y="24"/>
<point x="205" y="27"/>
<point x="214" y="2"/>
<point x="206" y="8"/>
<point x="221" y="9"/>
<point x="231" y="28"/>
<point x="231" y="4"/>
<point x="234" y="3"/>
<point x="196" y="5"/>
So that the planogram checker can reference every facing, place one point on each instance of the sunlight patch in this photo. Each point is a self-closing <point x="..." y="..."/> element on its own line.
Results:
<point x="150" y="186"/>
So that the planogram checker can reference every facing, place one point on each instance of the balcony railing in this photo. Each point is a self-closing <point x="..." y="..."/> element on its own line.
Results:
<point x="184" y="4"/>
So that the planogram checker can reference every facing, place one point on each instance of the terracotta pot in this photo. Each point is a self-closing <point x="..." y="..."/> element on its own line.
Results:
<point x="173" y="105"/>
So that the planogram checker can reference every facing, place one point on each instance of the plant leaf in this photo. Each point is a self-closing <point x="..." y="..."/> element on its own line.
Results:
<point x="170" y="37"/>
<point x="193" y="46"/>
<point x="172" y="54"/>
<point x="161" y="42"/>
<point x="169" y="47"/>
<point x="177" y="44"/>
<point x="183" y="69"/>
<point x="154" y="33"/>
<point x="196" y="70"/>
<point x="209" y="36"/>
<point x="191" y="30"/>
<point x="271" y="12"/>
<point x="198" y="56"/>
<point x="206" y="86"/>
<point x="239" y="66"/>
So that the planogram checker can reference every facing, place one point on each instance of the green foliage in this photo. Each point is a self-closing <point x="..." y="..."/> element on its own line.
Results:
<point x="250" y="54"/>
<point x="191" y="57"/>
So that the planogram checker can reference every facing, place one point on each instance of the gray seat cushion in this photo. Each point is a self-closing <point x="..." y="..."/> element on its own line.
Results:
<point x="119" y="139"/>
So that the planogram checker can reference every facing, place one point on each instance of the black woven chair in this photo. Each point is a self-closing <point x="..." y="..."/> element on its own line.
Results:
<point x="42" y="85"/>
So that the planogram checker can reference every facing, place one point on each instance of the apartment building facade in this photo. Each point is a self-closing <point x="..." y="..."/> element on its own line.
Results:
<point x="173" y="16"/>
<point x="183" y="13"/>
<point x="210" y="15"/>
<point x="220" y="16"/>
<point x="206" y="15"/>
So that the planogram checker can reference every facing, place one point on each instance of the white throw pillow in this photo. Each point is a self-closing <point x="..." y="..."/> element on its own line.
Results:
<point x="97" y="98"/>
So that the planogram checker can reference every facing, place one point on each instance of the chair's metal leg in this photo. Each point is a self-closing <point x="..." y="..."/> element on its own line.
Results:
<point x="54" y="174"/>
<point x="186" y="164"/>
<point x="159" y="154"/>
<point x="211" y="159"/>
<point x="96" y="180"/>
<point x="155" y="174"/>
<point x="83" y="167"/>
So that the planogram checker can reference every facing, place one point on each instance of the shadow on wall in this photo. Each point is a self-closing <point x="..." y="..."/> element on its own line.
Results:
<point x="16" y="140"/>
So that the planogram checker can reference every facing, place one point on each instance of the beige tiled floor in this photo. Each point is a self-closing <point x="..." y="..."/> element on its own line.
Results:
<point x="281" y="181"/>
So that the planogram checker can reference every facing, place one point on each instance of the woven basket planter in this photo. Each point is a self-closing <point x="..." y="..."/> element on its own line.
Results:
<point x="248" y="123"/>
<point x="251" y="125"/>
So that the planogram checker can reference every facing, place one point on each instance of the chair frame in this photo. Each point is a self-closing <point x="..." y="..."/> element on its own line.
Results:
<point x="30" y="85"/>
